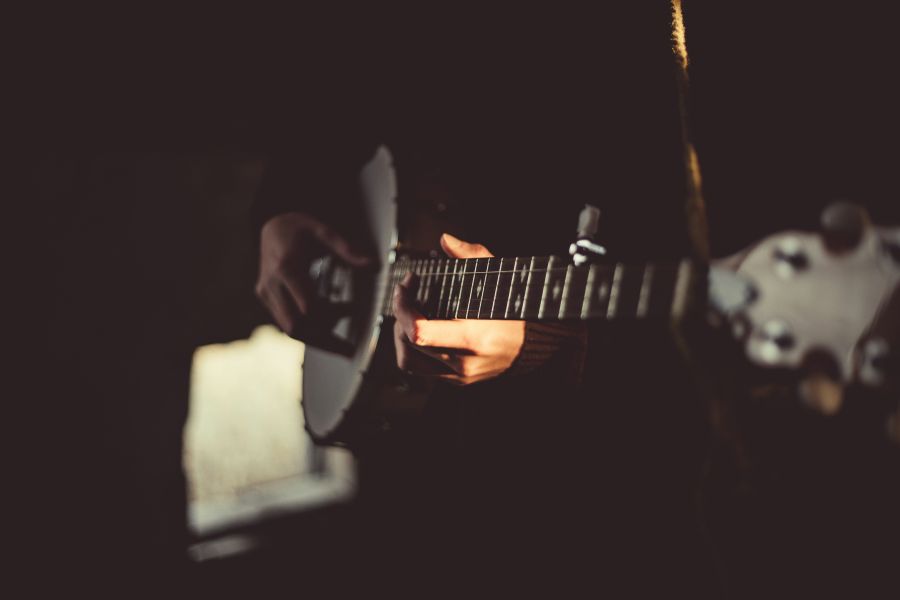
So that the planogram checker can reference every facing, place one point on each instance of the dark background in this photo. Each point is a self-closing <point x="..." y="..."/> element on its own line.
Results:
<point x="126" y="134"/>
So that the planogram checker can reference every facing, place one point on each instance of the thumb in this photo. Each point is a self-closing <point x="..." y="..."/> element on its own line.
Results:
<point x="340" y="246"/>
<point x="456" y="248"/>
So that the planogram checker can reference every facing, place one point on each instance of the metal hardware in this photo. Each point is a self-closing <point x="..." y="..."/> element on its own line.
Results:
<point x="585" y="248"/>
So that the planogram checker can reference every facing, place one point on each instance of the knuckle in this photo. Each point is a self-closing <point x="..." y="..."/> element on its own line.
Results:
<point x="474" y="342"/>
<point x="417" y="333"/>
<point x="490" y="343"/>
<point x="466" y="369"/>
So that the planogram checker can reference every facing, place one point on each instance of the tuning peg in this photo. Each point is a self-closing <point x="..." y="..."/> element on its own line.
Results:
<point x="790" y="257"/>
<point x="843" y="225"/>
<point x="585" y="248"/>
<point x="773" y="341"/>
<point x="872" y="361"/>
<point x="822" y="393"/>
<point x="588" y="221"/>
<point x="821" y="388"/>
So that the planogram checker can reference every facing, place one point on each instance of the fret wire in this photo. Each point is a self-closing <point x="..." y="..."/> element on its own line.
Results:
<point x="446" y="311"/>
<point x="614" y="292"/>
<point x="417" y="270"/>
<point x="487" y="263"/>
<point x="432" y="267"/>
<point x="423" y="284"/>
<point x="644" y="296"/>
<point x="496" y="289"/>
<point x="511" y="287"/>
<point x="588" y="292"/>
<point x="483" y="282"/>
<point x="441" y="299"/>
<point x="527" y="287"/>
<point x="485" y="292"/>
<point x="457" y="299"/>
<point x="565" y="292"/>
<point x="452" y="282"/>
<point x="471" y="286"/>
<point x="437" y="283"/>
<point x="546" y="287"/>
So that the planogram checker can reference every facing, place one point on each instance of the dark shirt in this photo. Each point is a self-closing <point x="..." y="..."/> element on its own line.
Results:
<point x="792" y="107"/>
<point x="522" y="129"/>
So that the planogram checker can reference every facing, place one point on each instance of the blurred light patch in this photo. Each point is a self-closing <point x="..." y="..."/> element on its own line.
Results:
<point x="246" y="424"/>
<point x="247" y="457"/>
<point x="679" y="42"/>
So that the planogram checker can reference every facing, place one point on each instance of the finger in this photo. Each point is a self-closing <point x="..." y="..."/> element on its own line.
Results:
<point x="277" y="308"/>
<point x="298" y="292"/>
<point x="455" y="335"/>
<point x="469" y="379"/>
<point x="456" y="248"/>
<point x="422" y="332"/>
<point x="340" y="246"/>
<point x="457" y="363"/>
<point x="404" y="304"/>
<point x="410" y="360"/>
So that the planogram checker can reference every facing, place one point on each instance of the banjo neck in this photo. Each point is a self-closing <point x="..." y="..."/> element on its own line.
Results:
<point x="544" y="288"/>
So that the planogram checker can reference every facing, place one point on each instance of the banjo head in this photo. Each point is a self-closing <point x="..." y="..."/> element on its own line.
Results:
<point x="331" y="380"/>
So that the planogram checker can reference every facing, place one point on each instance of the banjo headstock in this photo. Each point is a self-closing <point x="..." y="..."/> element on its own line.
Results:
<point x="823" y="305"/>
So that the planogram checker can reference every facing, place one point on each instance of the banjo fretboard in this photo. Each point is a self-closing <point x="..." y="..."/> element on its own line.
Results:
<point x="543" y="288"/>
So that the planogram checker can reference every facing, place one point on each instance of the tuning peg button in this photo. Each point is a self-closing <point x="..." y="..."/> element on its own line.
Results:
<point x="843" y="225"/>
<point x="873" y="361"/>
<point x="776" y="339"/>
<point x="821" y="388"/>
<point x="822" y="393"/>
<point x="790" y="257"/>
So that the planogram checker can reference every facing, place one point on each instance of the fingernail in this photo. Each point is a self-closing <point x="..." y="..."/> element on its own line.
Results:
<point x="455" y="241"/>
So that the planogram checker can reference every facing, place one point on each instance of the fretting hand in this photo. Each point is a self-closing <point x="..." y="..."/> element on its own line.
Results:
<point x="460" y="351"/>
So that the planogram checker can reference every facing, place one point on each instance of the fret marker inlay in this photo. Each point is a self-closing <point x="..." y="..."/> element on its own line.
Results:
<point x="557" y="291"/>
<point x="603" y="291"/>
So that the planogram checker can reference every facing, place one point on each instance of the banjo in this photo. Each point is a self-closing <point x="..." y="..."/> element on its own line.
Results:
<point x="823" y="305"/>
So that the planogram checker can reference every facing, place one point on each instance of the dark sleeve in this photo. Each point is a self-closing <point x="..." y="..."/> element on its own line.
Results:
<point x="558" y="347"/>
